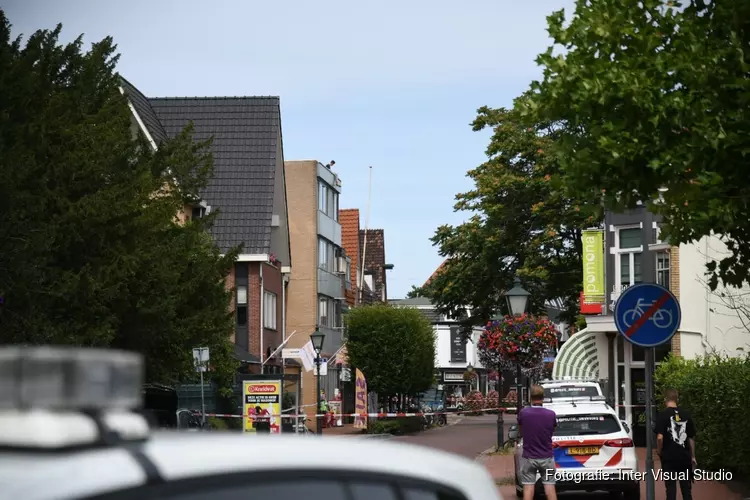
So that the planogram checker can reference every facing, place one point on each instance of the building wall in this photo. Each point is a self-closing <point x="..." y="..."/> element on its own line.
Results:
<point x="280" y="246"/>
<point x="710" y="322"/>
<point x="272" y="338"/>
<point x="443" y="349"/>
<point x="637" y="217"/>
<point x="301" y="187"/>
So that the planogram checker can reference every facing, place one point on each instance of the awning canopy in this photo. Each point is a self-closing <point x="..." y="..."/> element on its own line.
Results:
<point x="578" y="357"/>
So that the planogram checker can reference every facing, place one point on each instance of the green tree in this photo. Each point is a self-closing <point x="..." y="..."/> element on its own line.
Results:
<point x="651" y="95"/>
<point x="91" y="253"/>
<point x="523" y="224"/>
<point x="393" y="346"/>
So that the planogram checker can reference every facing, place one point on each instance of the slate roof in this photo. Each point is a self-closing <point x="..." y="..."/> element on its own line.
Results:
<point x="374" y="256"/>
<point x="430" y="314"/>
<point x="246" y="132"/>
<point x="146" y="113"/>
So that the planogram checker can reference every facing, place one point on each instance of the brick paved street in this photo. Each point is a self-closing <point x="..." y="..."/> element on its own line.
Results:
<point x="469" y="437"/>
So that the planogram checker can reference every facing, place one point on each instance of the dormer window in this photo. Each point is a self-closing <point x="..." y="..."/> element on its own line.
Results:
<point x="199" y="212"/>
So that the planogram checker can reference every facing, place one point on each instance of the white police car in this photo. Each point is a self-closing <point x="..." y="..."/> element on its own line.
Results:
<point x="571" y="389"/>
<point x="67" y="432"/>
<point x="592" y="450"/>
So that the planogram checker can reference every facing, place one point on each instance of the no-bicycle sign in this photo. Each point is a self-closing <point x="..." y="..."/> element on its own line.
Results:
<point x="647" y="314"/>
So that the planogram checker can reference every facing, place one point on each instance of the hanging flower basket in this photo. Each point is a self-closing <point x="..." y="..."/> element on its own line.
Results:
<point x="517" y="340"/>
<point x="470" y="376"/>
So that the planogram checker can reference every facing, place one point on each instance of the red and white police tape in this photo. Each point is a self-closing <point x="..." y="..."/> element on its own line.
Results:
<point x="368" y="415"/>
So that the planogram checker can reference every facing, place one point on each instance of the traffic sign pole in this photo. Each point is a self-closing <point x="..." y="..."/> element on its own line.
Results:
<point x="650" y="488"/>
<point x="648" y="315"/>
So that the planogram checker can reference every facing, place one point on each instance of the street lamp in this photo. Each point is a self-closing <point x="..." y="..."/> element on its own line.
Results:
<point x="317" y="339"/>
<point x="470" y="371"/>
<point x="517" y="299"/>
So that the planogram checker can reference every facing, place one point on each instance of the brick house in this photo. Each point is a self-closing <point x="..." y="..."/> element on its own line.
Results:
<point x="372" y="247"/>
<point x="249" y="189"/>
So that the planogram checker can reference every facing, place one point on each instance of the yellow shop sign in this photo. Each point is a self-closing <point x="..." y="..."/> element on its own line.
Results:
<point x="593" y="265"/>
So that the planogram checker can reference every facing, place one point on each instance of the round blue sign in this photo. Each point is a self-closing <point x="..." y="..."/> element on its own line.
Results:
<point x="647" y="314"/>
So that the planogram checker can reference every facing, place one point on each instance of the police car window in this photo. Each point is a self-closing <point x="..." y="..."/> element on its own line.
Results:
<point x="571" y="392"/>
<point x="582" y="425"/>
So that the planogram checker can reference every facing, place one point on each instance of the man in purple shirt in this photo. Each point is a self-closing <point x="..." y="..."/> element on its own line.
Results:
<point x="536" y="425"/>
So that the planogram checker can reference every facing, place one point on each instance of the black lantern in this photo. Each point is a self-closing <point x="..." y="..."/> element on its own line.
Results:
<point x="317" y="339"/>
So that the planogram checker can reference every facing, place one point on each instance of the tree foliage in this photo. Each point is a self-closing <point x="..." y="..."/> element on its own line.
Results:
<point x="91" y="253"/>
<point x="652" y="94"/>
<point x="523" y="224"/>
<point x="393" y="346"/>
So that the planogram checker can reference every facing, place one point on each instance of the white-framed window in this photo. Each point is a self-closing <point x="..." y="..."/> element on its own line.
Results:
<point x="241" y="306"/>
<point x="628" y="251"/>
<point x="323" y="305"/>
<point x="662" y="268"/>
<point x="348" y="270"/>
<point x="269" y="310"/>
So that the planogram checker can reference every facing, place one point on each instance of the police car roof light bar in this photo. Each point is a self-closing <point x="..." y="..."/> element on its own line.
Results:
<point x="68" y="378"/>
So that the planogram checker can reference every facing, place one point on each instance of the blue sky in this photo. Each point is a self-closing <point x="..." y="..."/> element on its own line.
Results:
<point x="392" y="85"/>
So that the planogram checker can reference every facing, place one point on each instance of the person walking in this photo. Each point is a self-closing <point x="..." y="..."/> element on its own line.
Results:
<point x="675" y="445"/>
<point x="536" y="425"/>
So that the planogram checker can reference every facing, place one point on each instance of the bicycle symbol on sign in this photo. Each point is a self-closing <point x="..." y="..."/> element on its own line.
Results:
<point x="662" y="318"/>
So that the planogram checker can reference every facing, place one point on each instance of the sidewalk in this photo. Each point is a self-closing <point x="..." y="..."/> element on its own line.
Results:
<point x="502" y="469"/>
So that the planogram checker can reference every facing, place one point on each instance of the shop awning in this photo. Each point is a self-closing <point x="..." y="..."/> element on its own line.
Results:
<point x="578" y="357"/>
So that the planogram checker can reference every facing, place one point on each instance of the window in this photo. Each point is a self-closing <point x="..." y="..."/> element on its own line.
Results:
<point x="328" y="200"/>
<point x="323" y="248"/>
<point x="327" y="252"/>
<point x="628" y="257"/>
<point x="241" y="306"/>
<point x="322" y="197"/>
<point x="662" y="269"/>
<point x="584" y="425"/>
<point x="199" y="212"/>
<point x="269" y="310"/>
<point x="348" y="270"/>
<point x="323" y="311"/>
<point x="337" y="317"/>
<point x="571" y="391"/>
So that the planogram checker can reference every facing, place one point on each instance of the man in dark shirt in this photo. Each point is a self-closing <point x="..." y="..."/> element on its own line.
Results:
<point x="536" y="425"/>
<point x="675" y="445"/>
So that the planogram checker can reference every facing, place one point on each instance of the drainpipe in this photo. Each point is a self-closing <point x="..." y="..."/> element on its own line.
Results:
<point x="262" y="304"/>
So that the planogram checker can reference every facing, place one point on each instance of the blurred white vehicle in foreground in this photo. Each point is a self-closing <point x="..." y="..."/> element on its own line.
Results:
<point x="67" y="432"/>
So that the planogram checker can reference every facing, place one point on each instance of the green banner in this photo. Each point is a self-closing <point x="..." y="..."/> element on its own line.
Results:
<point x="593" y="266"/>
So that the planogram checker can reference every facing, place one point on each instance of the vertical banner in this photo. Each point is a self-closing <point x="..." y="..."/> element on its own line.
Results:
<point x="262" y="404"/>
<point x="593" y="266"/>
<point x="360" y="402"/>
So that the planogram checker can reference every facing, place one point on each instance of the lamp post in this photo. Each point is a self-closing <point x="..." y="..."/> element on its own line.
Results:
<point x="470" y="371"/>
<point x="317" y="339"/>
<point x="517" y="299"/>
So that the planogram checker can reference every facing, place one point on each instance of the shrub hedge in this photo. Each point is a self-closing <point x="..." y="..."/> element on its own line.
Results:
<point x="716" y="390"/>
<point x="397" y="426"/>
